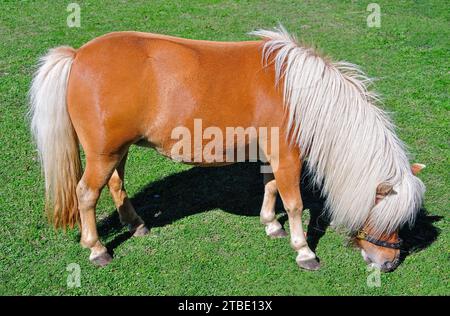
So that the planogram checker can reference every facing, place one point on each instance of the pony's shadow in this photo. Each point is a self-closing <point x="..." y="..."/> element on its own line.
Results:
<point x="236" y="189"/>
<point x="421" y="235"/>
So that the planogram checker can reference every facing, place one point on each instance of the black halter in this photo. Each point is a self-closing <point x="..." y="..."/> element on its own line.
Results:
<point x="362" y="235"/>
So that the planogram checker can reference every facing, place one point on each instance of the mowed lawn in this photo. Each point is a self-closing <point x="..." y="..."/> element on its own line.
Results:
<point x="205" y="234"/>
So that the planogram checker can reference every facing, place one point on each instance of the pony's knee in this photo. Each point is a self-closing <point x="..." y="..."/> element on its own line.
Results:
<point x="293" y="207"/>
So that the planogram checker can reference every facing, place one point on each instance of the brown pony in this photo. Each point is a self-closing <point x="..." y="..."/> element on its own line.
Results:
<point x="130" y="88"/>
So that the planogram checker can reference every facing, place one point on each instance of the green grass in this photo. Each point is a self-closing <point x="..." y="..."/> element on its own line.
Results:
<point x="208" y="239"/>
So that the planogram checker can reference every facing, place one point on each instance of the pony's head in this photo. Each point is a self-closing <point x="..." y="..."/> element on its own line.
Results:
<point x="382" y="250"/>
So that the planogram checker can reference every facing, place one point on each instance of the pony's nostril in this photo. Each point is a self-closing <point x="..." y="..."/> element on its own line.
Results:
<point x="388" y="266"/>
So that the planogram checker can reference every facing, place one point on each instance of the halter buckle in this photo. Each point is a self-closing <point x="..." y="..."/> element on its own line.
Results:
<point x="361" y="235"/>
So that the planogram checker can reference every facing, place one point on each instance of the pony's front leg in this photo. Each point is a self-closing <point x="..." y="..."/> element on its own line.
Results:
<point x="288" y="182"/>
<point x="268" y="218"/>
<point x="98" y="170"/>
<point x="127" y="213"/>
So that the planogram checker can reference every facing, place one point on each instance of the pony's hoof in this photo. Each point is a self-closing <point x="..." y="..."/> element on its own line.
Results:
<point x="309" y="264"/>
<point x="101" y="260"/>
<point x="141" y="230"/>
<point x="280" y="233"/>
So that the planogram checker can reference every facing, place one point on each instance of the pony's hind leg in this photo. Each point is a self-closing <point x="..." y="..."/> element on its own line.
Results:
<point x="98" y="171"/>
<point x="287" y="177"/>
<point x="268" y="218"/>
<point x="127" y="213"/>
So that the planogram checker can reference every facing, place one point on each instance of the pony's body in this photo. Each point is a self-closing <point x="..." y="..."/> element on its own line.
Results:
<point x="137" y="88"/>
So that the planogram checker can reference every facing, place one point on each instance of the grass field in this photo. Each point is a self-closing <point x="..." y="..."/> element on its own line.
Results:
<point x="205" y="234"/>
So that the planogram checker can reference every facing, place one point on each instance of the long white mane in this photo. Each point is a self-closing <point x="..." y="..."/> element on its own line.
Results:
<point x="348" y="142"/>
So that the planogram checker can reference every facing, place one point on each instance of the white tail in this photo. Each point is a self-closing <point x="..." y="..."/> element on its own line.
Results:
<point x="348" y="142"/>
<point x="55" y="137"/>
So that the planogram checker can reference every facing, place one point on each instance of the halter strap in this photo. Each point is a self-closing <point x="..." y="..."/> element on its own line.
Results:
<point x="362" y="235"/>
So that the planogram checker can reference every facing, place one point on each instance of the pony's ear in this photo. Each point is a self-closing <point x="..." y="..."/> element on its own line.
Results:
<point x="416" y="168"/>
<point x="384" y="188"/>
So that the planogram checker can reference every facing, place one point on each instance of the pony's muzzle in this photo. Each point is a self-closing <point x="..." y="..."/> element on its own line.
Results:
<point x="387" y="266"/>
<point x="390" y="266"/>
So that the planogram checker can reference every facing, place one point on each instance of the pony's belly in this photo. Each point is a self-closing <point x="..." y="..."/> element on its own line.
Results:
<point x="202" y="157"/>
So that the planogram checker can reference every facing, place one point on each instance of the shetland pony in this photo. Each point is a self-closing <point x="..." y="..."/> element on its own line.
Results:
<point x="130" y="88"/>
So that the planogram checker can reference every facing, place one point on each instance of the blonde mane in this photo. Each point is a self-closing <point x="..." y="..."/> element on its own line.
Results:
<point x="348" y="142"/>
